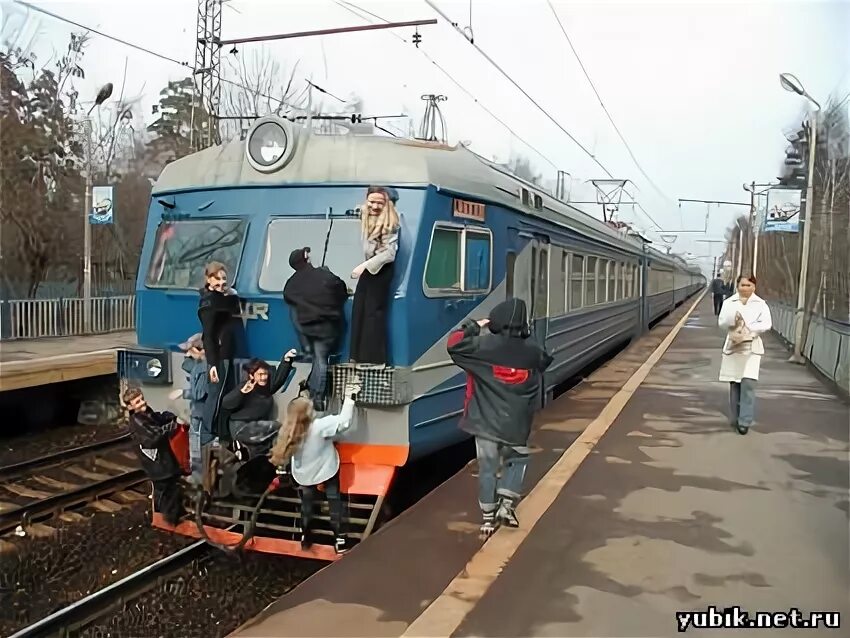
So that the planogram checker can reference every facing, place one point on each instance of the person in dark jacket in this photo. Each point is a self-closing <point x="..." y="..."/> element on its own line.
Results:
<point x="504" y="379"/>
<point x="251" y="407"/>
<point x="216" y="310"/>
<point x="316" y="298"/>
<point x="718" y="292"/>
<point x="195" y="366"/>
<point x="152" y="432"/>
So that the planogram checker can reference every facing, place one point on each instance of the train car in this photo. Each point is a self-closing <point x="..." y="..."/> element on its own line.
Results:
<point x="472" y="235"/>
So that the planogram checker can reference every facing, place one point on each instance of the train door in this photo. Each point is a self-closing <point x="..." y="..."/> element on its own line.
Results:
<point x="527" y="278"/>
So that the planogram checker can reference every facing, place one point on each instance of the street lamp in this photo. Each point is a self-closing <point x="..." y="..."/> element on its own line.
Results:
<point x="792" y="84"/>
<point x="102" y="95"/>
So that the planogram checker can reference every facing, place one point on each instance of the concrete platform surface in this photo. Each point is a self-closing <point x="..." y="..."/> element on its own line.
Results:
<point x="32" y="362"/>
<point x="675" y="511"/>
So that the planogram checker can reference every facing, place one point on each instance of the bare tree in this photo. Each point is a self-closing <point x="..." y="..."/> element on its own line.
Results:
<point x="264" y="88"/>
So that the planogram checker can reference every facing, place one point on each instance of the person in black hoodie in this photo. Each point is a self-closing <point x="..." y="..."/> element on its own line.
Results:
<point x="504" y="378"/>
<point x="216" y="310"/>
<point x="152" y="432"/>
<point x="251" y="407"/>
<point x="316" y="298"/>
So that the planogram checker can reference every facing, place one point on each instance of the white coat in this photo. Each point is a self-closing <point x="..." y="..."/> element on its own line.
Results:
<point x="756" y="314"/>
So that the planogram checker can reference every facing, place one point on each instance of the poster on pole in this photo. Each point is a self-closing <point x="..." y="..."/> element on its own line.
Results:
<point x="783" y="210"/>
<point x="101" y="205"/>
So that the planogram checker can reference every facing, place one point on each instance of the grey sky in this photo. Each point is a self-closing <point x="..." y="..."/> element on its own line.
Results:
<point x="692" y="85"/>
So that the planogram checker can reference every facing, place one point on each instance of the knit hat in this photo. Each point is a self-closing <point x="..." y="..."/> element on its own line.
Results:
<point x="298" y="257"/>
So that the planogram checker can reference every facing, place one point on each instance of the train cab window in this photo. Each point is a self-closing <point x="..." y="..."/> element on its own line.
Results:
<point x="284" y="235"/>
<point x="576" y="282"/>
<point x="183" y="248"/>
<point x="590" y="282"/>
<point x="459" y="261"/>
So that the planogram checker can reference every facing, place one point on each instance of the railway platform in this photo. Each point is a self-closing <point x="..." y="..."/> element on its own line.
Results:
<point x="643" y="502"/>
<point x="28" y="363"/>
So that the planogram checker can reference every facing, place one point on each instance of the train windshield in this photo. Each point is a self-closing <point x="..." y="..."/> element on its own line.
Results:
<point x="344" y="249"/>
<point x="183" y="248"/>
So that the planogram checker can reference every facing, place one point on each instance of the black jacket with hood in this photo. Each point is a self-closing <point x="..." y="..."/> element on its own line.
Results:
<point x="258" y="404"/>
<point x="504" y="374"/>
<point x="317" y="296"/>
<point x="152" y="433"/>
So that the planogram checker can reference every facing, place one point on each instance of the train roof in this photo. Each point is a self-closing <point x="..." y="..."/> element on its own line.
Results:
<point x="371" y="159"/>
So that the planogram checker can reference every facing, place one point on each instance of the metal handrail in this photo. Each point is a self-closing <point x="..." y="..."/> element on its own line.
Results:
<point x="65" y="317"/>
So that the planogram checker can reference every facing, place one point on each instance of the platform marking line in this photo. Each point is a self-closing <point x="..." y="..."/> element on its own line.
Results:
<point x="443" y="616"/>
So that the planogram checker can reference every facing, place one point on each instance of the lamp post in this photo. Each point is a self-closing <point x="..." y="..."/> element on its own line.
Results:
<point x="102" y="96"/>
<point x="792" y="84"/>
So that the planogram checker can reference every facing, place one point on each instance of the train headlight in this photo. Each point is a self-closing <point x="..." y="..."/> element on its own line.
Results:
<point x="270" y="144"/>
<point x="154" y="368"/>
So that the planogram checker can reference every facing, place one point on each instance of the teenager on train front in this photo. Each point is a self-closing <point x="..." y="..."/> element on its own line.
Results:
<point x="380" y="228"/>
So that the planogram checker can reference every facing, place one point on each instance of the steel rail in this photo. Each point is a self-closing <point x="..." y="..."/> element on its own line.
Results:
<point x="49" y="460"/>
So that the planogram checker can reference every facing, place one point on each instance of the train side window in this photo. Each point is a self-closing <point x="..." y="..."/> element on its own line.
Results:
<point x="576" y="282"/>
<point x="459" y="261"/>
<point x="477" y="258"/>
<point x="442" y="272"/>
<point x="564" y="285"/>
<point x="541" y="292"/>
<point x="510" y="264"/>
<point x="612" y="281"/>
<point x="590" y="282"/>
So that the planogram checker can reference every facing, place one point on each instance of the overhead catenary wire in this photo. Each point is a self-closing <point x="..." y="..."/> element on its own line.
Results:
<point x="510" y="79"/>
<point x="354" y="9"/>
<point x="358" y="11"/>
<point x="602" y="104"/>
<point x="137" y="47"/>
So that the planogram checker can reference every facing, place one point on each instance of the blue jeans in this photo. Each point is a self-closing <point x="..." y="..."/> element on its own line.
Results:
<point x="195" y="460"/>
<point x="742" y="402"/>
<point x="213" y="423"/>
<point x="513" y="461"/>
<point x="320" y="349"/>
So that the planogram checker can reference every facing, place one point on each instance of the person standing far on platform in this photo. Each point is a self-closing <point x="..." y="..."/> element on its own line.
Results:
<point x="745" y="316"/>
<point x="380" y="228"/>
<point x="503" y="389"/>
<point x="316" y="297"/>
<point x="218" y="306"/>
<point x="718" y="293"/>
<point x="308" y="442"/>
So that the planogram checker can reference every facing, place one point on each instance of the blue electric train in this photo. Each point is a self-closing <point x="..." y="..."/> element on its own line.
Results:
<point x="473" y="234"/>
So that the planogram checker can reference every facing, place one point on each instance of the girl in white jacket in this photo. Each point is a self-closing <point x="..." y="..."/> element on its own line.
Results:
<point x="308" y="442"/>
<point x="745" y="316"/>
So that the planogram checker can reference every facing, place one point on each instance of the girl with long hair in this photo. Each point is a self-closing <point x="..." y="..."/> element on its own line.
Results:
<point x="745" y="316"/>
<point x="380" y="227"/>
<point x="308" y="443"/>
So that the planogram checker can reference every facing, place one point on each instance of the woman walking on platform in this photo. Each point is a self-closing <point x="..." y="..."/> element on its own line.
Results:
<point x="746" y="316"/>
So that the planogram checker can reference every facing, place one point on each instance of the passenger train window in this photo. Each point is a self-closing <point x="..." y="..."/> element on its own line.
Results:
<point x="590" y="282"/>
<point x="612" y="281"/>
<point x="450" y="270"/>
<point x="477" y="271"/>
<point x="510" y="264"/>
<point x="183" y="248"/>
<point x="541" y="282"/>
<point x="284" y="235"/>
<point x="442" y="271"/>
<point x="576" y="282"/>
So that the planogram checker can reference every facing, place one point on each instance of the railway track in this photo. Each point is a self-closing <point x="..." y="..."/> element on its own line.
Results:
<point x="43" y="487"/>
<point x="114" y="596"/>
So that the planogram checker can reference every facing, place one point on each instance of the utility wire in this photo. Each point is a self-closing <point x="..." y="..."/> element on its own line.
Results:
<point x="353" y="8"/>
<point x="140" y="48"/>
<point x="522" y="90"/>
<point x="601" y="103"/>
